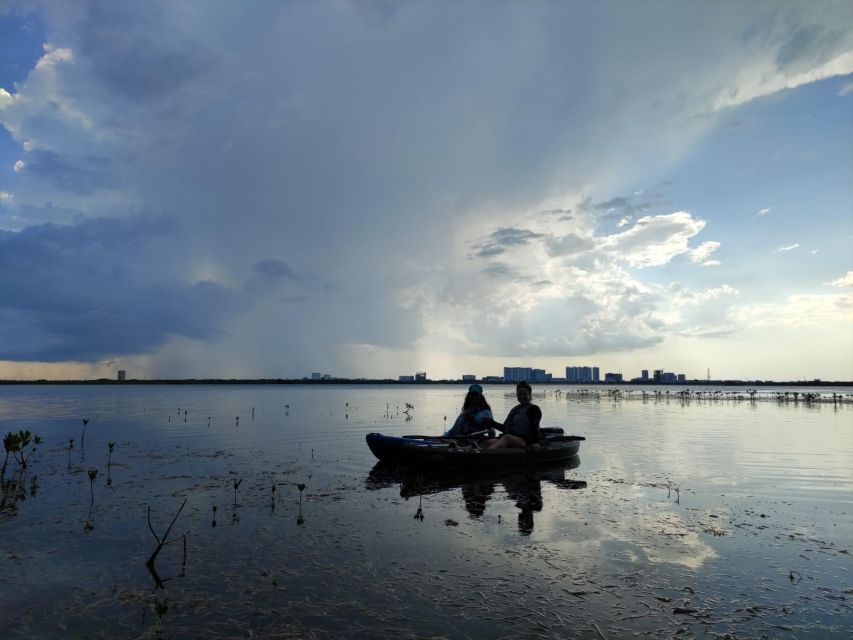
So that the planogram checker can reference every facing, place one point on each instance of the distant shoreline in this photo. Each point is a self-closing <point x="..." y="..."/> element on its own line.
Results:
<point x="286" y="381"/>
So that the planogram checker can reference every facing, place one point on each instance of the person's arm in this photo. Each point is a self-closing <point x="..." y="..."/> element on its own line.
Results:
<point x="504" y="428"/>
<point x="486" y="421"/>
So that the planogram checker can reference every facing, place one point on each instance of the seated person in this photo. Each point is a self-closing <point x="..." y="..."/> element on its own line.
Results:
<point x="521" y="427"/>
<point x="476" y="415"/>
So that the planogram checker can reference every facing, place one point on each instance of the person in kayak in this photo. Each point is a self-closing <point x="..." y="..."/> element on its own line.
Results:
<point x="521" y="427"/>
<point x="476" y="415"/>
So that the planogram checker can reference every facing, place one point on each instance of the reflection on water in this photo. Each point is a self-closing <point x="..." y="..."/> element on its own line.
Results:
<point x="522" y="487"/>
<point x="700" y="518"/>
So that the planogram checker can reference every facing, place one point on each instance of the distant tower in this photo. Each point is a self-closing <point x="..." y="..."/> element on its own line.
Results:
<point x="122" y="375"/>
<point x="709" y="374"/>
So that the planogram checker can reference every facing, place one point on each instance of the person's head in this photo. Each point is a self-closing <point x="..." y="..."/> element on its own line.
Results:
<point x="474" y="398"/>
<point x="523" y="392"/>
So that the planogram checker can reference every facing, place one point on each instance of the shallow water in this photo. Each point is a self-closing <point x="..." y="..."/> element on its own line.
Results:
<point x="698" y="518"/>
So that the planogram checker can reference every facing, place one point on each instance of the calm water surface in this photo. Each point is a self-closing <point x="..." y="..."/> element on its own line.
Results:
<point x="695" y="519"/>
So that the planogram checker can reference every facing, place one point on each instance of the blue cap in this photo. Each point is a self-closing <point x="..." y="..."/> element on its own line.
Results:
<point x="476" y="388"/>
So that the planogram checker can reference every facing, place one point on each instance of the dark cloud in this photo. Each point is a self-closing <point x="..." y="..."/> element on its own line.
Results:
<point x="275" y="268"/>
<point x="512" y="237"/>
<point x="614" y="203"/>
<point x="502" y="239"/>
<point x="490" y="250"/>
<point x="137" y="51"/>
<point x="81" y="176"/>
<point x="79" y="292"/>
<point x="502" y="271"/>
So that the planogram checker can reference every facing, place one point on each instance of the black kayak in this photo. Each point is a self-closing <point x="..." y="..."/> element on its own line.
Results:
<point x="437" y="451"/>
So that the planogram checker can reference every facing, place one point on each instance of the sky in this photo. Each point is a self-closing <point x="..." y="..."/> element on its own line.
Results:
<point x="369" y="189"/>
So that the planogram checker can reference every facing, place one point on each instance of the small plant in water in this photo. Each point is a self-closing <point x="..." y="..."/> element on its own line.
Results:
<point x="83" y="435"/>
<point x="8" y="444"/>
<point x="21" y="445"/>
<point x="111" y="446"/>
<point x="93" y="473"/>
<point x="236" y="482"/>
<point x="213" y="524"/>
<point x="299" y="518"/>
<point x="70" y="447"/>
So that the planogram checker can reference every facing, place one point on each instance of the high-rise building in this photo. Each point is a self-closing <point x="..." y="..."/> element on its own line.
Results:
<point x="420" y="376"/>
<point x="612" y="377"/>
<point x="518" y="374"/>
<point x="122" y="375"/>
<point x="468" y="377"/>
<point x="583" y="374"/>
<point x="539" y="375"/>
<point x="645" y="375"/>
<point x="316" y="376"/>
<point x="595" y="377"/>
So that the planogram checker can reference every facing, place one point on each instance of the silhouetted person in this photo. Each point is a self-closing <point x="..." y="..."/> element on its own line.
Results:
<point x="521" y="427"/>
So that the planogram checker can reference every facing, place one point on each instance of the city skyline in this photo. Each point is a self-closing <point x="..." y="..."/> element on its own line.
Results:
<point x="383" y="188"/>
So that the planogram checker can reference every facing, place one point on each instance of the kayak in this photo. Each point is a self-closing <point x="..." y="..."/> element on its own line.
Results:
<point x="437" y="451"/>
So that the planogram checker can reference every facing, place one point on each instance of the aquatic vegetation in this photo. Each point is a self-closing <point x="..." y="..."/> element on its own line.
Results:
<point x="161" y="542"/>
<point x="93" y="473"/>
<point x="300" y="519"/>
<point x="236" y="482"/>
<point x="8" y="443"/>
<point x="110" y="446"/>
<point x="83" y="435"/>
<point x="272" y="494"/>
<point x="70" y="447"/>
<point x="22" y="446"/>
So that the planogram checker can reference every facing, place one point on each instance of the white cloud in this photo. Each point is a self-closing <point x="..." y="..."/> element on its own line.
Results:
<point x="19" y="166"/>
<point x="814" y="251"/>
<point x="702" y="314"/>
<point x="845" y="89"/>
<point x="655" y="240"/>
<point x="789" y="247"/>
<point x="764" y="78"/>
<point x="6" y="98"/>
<point x="844" y="281"/>
<point x="762" y="212"/>
<point x="702" y="253"/>
<point x="5" y="196"/>
<point x="802" y="310"/>
<point x="53" y="56"/>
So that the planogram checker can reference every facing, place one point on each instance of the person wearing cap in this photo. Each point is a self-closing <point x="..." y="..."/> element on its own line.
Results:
<point x="476" y="415"/>
<point x="521" y="427"/>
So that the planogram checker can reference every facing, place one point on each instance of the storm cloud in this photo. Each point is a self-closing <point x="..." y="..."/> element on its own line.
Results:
<point x="288" y="187"/>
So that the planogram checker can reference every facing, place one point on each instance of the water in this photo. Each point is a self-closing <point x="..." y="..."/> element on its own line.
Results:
<point x="699" y="518"/>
